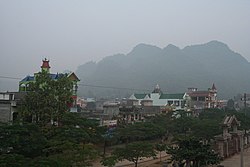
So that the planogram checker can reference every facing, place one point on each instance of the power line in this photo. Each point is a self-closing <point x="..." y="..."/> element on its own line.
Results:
<point x="90" y="85"/>
<point x="111" y="87"/>
<point x="5" y="77"/>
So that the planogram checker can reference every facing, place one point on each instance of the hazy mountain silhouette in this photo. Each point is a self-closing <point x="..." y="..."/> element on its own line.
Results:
<point x="174" y="69"/>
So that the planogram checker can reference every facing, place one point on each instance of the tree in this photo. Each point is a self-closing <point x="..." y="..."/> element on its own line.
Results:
<point x="133" y="151"/>
<point x="71" y="144"/>
<point x="230" y="104"/>
<point x="109" y="161"/>
<point x="13" y="160"/>
<point x="20" y="144"/>
<point x="73" y="141"/>
<point x="85" y="154"/>
<point x="160" y="147"/>
<point x="206" y="129"/>
<point x="192" y="151"/>
<point x="139" y="131"/>
<point x="47" y="99"/>
<point x="182" y="125"/>
<point x="26" y="140"/>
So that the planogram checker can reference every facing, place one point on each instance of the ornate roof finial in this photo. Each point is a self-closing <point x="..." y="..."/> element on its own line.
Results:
<point x="45" y="66"/>
<point x="213" y="87"/>
<point x="157" y="89"/>
<point x="45" y="63"/>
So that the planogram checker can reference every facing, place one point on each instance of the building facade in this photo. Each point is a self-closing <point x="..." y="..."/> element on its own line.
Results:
<point x="203" y="99"/>
<point x="45" y="67"/>
<point x="158" y="98"/>
<point x="9" y="102"/>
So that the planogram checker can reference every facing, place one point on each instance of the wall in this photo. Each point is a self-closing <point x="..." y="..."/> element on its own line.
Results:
<point x="5" y="112"/>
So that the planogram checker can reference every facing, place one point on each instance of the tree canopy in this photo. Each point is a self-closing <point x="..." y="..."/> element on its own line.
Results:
<point x="131" y="152"/>
<point x="192" y="151"/>
<point x="46" y="99"/>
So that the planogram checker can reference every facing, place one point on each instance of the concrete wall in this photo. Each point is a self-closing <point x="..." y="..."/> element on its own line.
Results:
<point x="5" y="112"/>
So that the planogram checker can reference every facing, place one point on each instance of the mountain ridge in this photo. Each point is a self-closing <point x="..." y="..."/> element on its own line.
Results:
<point x="173" y="68"/>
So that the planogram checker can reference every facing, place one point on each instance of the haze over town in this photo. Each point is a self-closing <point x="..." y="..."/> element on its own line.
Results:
<point x="71" y="33"/>
<point x="124" y="83"/>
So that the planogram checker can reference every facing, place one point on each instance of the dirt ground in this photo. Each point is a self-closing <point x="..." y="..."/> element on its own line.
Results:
<point x="233" y="161"/>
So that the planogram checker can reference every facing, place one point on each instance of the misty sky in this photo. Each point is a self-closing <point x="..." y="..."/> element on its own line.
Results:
<point x="72" y="32"/>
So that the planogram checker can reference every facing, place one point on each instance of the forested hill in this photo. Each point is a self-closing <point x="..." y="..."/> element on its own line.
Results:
<point x="174" y="69"/>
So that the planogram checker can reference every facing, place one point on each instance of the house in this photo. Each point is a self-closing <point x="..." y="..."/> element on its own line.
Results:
<point x="9" y="102"/>
<point x="25" y="82"/>
<point x="242" y="101"/>
<point x="111" y="108"/>
<point x="158" y="98"/>
<point x="203" y="99"/>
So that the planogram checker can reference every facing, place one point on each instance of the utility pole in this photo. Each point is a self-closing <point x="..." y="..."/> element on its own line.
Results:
<point x="241" y="151"/>
<point x="245" y="102"/>
<point x="242" y="136"/>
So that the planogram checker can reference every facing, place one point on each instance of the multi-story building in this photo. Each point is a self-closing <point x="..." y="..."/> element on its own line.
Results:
<point x="8" y="105"/>
<point x="203" y="99"/>
<point x="25" y="82"/>
<point x="242" y="101"/>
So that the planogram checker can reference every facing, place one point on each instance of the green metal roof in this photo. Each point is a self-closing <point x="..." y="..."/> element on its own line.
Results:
<point x="172" y="96"/>
<point x="140" y="96"/>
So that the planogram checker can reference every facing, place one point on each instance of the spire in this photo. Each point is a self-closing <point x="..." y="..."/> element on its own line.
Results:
<point x="157" y="89"/>
<point x="213" y="87"/>
<point x="45" y="66"/>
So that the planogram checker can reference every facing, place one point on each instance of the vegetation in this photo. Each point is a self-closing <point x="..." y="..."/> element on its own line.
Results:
<point x="192" y="152"/>
<point x="139" y="131"/>
<point x="47" y="99"/>
<point x="160" y="147"/>
<point x="47" y="135"/>
<point x="132" y="152"/>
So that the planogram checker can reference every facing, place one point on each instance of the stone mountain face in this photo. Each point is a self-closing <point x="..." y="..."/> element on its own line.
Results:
<point x="174" y="69"/>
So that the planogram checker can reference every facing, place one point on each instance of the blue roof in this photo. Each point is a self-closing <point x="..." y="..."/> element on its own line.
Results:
<point x="28" y="78"/>
<point x="52" y="76"/>
<point x="56" y="76"/>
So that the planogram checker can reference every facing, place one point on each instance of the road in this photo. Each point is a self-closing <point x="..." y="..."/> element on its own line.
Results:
<point x="234" y="161"/>
<point x="144" y="162"/>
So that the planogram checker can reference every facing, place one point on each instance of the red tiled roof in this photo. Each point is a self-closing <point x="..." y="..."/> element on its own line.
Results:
<point x="199" y="93"/>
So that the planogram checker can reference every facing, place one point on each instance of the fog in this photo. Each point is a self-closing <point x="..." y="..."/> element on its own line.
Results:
<point x="70" y="33"/>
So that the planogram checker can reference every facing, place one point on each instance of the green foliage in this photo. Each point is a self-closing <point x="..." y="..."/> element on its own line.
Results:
<point x="206" y="129"/>
<point x="230" y="104"/>
<point x="243" y="118"/>
<point x="44" y="162"/>
<point x="26" y="140"/>
<point x="216" y="117"/>
<point x="139" y="131"/>
<point x="13" y="160"/>
<point x="160" y="147"/>
<point x="47" y="99"/>
<point x="182" y="125"/>
<point x="193" y="150"/>
<point x="109" y="161"/>
<point x="67" y="145"/>
<point x="212" y="114"/>
<point x="133" y="151"/>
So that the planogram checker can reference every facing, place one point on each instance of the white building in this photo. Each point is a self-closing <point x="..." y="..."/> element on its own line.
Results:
<point x="158" y="98"/>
